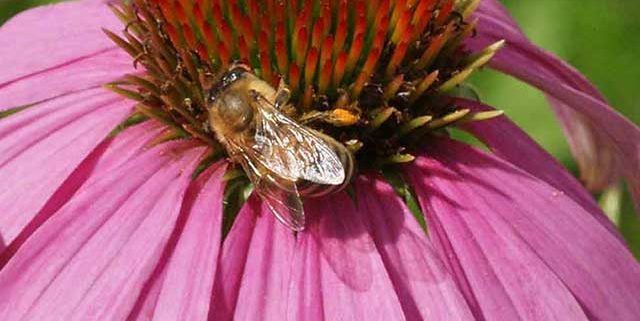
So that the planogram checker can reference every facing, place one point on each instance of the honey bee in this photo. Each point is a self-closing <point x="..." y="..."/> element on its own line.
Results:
<point x="282" y="158"/>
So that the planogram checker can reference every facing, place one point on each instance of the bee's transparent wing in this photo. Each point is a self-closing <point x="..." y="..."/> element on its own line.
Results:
<point x="293" y="151"/>
<point x="280" y="153"/>
<point x="280" y="194"/>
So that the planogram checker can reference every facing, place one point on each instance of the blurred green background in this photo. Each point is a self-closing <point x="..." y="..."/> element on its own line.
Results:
<point x="600" y="38"/>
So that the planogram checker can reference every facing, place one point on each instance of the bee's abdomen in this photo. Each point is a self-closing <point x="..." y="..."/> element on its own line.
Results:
<point x="309" y="189"/>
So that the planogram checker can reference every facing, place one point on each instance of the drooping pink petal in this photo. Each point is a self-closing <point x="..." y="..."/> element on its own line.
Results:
<point x="426" y="290"/>
<point x="345" y="245"/>
<point x="262" y="294"/>
<point x="304" y="292"/>
<point x="186" y="287"/>
<point x="232" y="261"/>
<point x="525" y="248"/>
<point x="266" y="272"/>
<point x="108" y="156"/>
<point x="508" y="141"/>
<point x="40" y="147"/>
<point x="494" y="9"/>
<point x="87" y="73"/>
<point x="598" y="157"/>
<point x="148" y="299"/>
<point x="54" y="50"/>
<point x="354" y="281"/>
<point x="125" y="146"/>
<point x="622" y="136"/>
<point x="91" y="259"/>
<point x="500" y="25"/>
<point x="255" y="270"/>
<point x="192" y="250"/>
<point x="393" y="276"/>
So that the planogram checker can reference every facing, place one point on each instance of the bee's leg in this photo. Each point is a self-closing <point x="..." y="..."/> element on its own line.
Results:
<point x="283" y="94"/>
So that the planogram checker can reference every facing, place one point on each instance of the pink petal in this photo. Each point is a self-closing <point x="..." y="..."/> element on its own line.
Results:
<point x="425" y="289"/>
<point x="508" y="141"/>
<point x="40" y="147"/>
<point x="231" y="263"/>
<point x="186" y="287"/>
<point x="305" y="293"/>
<point x="58" y="50"/>
<point x="525" y="248"/>
<point x="125" y="146"/>
<point x="265" y="273"/>
<point x="148" y="300"/>
<point x="494" y="9"/>
<point x="597" y="156"/>
<point x="110" y="155"/>
<point x="622" y="136"/>
<point x="86" y="73"/>
<point x="497" y="24"/>
<point x="91" y="259"/>
<point x="263" y="291"/>
<point x="386" y="271"/>
<point x="354" y="281"/>
<point x="253" y="278"/>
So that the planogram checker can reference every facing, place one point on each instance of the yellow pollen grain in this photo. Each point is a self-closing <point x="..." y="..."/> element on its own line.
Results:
<point x="342" y="117"/>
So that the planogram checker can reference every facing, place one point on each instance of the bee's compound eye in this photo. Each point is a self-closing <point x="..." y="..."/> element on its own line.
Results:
<point x="235" y="111"/>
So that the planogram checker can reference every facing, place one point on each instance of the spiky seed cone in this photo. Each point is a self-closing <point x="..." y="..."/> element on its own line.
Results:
<point x="368" y="72"/>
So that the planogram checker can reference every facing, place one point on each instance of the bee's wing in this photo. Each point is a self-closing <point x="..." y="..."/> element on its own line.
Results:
<point x="293" y="151"/>
<point x="279" y="154"/>
<point x="280" y="194"/>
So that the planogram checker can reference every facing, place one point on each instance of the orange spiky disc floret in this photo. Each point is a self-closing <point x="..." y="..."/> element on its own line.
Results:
<point x="361" y="71"/>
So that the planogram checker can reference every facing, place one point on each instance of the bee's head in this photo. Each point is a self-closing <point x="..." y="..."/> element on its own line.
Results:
<point x="234" y="108"/>
<point x="235" y="73"/>
<point x="229" y="101"/>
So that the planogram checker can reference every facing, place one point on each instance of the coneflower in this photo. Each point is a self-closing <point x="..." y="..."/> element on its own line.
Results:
<point x="119" y="202"/>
